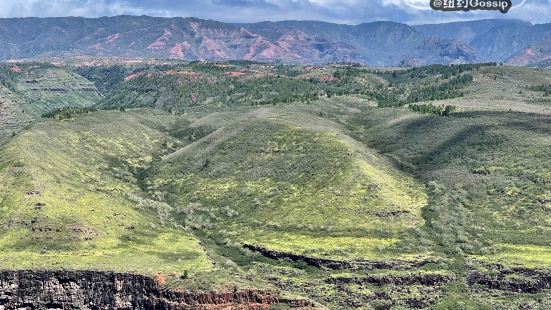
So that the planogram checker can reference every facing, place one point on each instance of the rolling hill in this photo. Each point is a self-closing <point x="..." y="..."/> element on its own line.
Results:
<point x="28" y="91"/>
<point x="192" y="185"/>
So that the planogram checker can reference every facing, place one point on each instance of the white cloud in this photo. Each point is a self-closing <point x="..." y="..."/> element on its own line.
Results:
<point x="341" y="11"/>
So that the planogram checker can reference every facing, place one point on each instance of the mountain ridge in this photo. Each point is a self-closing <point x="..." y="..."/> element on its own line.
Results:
<point x="380" y="43"/>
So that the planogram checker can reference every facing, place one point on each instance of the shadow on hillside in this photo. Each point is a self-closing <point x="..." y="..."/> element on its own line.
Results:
<point x="434" y="141"/>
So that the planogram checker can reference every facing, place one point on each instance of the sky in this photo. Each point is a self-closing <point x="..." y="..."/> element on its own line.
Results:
<point x="337" y="11"/>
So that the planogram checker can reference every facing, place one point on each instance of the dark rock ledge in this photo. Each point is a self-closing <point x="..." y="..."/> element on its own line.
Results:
<point x="339" y="264"/>
<point x="108" y="290"/>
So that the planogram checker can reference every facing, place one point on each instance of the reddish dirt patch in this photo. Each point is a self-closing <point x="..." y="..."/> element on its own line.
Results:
<point x="272" y="52"/>
<point x="16" y="69"/>
<point x="178" y="50"/>
<point x="112" y="38"/>
<point x="529" y="55"/>
<point x="234" y="73"/>
<point x="327" y="78"/>
<point x="160" y="43"/>
<point x="133" y="76"/>
<point x="160" y="279"/>
<point x="256" y="47"/>
<point x="189" y="75"/>
<point x="213" y="47"/>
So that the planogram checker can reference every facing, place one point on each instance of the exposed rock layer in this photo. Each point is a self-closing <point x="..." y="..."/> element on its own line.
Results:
<point x="518" y="280"/>
<point x="108" y="290"/>
<point x="337" y="264"/>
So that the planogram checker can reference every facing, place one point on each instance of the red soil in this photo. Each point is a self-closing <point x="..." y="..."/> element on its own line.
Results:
<point x="178" y="50"/>
<point x="16" y="69"/>
<point x="133" y="76"/>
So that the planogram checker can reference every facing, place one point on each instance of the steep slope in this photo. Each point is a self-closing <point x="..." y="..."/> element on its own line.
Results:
<point x="311" y="199"/>
<point x="339" y="202"/>
<point x="295" y="185"/>
<point x="306" y="42"/>
<point x="94" y="195"/>
<point x="537" y="55"/>
<point x="440" y="51"/>
<point x="68" y="199"/>
<point x="468" y="31"/>
<point x="492" y="39"/>
<point x="30" y="90"/>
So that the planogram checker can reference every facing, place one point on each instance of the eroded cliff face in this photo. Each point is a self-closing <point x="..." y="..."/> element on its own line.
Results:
<point x="108" y="290"/>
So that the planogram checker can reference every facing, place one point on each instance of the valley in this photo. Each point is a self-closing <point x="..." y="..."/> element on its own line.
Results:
<point x="278" y="186"/>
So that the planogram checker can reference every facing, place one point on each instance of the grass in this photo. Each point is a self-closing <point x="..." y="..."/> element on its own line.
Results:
<point x="504" y="89"/>
<point x="254" y="181"/>
<point x="64" y="204"/>
<point x="181" y="193"/>
<point x="531" y="256"/>
<point x="36" y="89"/>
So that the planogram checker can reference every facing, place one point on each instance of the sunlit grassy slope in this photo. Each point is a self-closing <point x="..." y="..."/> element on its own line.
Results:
<point x="27" y="91"/>
<point x="68" y="199"/>
<point x="287" y="187"/>
<point x="488" y="176"/>
<point x="338" y="179"/>
<point x="504" y="89"/>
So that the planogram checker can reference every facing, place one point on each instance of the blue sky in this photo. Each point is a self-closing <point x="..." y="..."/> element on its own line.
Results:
<point x="339" y="11"/>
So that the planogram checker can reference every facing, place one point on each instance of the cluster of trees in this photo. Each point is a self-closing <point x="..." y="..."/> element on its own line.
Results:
<point x="445" y="71"/>
<point x="67" y="113"/>
<point x="393" y="96"/>
<point x="433" y="109"/>
<point x="105" y="78"/>
<point x="175" y="87"/>
<point x="175" y="92"/>
<point x="7" y="78"/>
<point x="446" y="90"/>
<point x="546" y="89"/>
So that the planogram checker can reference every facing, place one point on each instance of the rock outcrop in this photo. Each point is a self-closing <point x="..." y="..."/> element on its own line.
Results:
<point x="517" y="280"/>
<point x="109" y="290"/>
<point x="338" y="264"/>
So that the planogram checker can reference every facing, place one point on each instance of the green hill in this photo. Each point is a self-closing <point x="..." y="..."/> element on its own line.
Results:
<point x="351" y="202"/>
<point x="65" y="199"/>
<point x="28" y="91"/>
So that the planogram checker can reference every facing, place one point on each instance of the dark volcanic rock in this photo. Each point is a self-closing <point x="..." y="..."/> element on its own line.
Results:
<point x="402" y="280"/>
<point x="337" y="264"/>
<point x="108" y="290"/>
<point x="512" y="280"/>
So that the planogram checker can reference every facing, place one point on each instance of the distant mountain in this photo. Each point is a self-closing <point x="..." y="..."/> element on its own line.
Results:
<point x="306" y="42"/>
<point x="538" y="55"/>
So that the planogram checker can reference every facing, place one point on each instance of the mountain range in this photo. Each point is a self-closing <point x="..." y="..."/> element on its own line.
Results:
<point x="304" y="42"/>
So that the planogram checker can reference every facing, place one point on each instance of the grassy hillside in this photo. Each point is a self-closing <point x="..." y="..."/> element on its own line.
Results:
<point x="353" y="202"/>
<point x="290" y="188"/>
<point x="504" y="89"/>
<point x="30" y="90"/>
<point x="69" y="203"/>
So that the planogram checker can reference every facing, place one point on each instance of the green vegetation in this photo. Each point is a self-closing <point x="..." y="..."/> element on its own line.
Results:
<point x="67" y="113"/>
<point x="64" y="203"/>
<point x="311" y="181"/>
<point x="544" y="88"/>
<point x="175" y="89"/>
<point x="29" y="90"/>
<point x="178" y="87"/>
<point x="105" y="78"/>
<point x="255" y="185"/>
<point x="432" y="109"/>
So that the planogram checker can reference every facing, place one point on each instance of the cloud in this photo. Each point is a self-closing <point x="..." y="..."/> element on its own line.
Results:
<point x="340" y="11"/>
